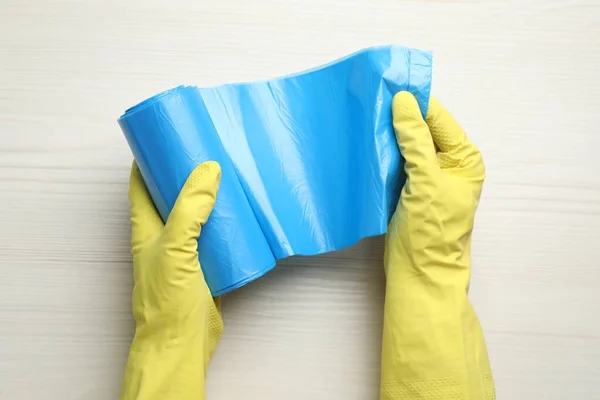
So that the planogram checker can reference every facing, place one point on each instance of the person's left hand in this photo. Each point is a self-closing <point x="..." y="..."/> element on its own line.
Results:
<point x="178" y="323"/>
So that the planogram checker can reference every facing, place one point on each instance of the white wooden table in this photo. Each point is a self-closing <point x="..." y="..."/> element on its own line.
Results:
<point x="522" y="77"/>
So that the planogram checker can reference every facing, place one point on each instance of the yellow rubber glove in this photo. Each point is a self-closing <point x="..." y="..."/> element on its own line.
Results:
<point x="433" y="345"/>
<point x="178" y="324"/>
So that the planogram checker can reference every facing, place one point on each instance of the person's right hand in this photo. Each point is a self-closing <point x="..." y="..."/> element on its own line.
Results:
<point x="433" y="345"/>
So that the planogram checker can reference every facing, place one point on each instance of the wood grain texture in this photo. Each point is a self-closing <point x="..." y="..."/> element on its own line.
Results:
<point x="520" y="76"/>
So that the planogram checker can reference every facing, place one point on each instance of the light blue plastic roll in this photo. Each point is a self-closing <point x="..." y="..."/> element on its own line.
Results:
<point x="309" y="161"/>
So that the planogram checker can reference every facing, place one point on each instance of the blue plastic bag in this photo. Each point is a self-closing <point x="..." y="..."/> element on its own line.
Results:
<point x="309" y="161"/>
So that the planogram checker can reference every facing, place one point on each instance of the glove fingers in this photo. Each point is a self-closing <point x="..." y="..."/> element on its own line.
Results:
<point x="145" y="220"/>
<point x="193" y="207"/>
<point x="414" y="139"/>
<point x="450" y="138"/>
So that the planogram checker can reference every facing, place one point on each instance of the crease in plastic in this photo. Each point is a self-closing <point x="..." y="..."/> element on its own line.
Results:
<point x="309" y="161"/>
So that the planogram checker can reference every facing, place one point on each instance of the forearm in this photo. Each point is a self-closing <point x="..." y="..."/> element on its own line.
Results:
<point x="432" y="340"/>
<point x="165" y="370"/>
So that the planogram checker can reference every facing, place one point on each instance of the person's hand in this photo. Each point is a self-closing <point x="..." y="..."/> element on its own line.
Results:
<point x="433" y="345"/>
<point x="178" y="323"/>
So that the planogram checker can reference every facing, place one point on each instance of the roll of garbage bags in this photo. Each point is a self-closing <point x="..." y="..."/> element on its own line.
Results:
<point x="309" y="161"/>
